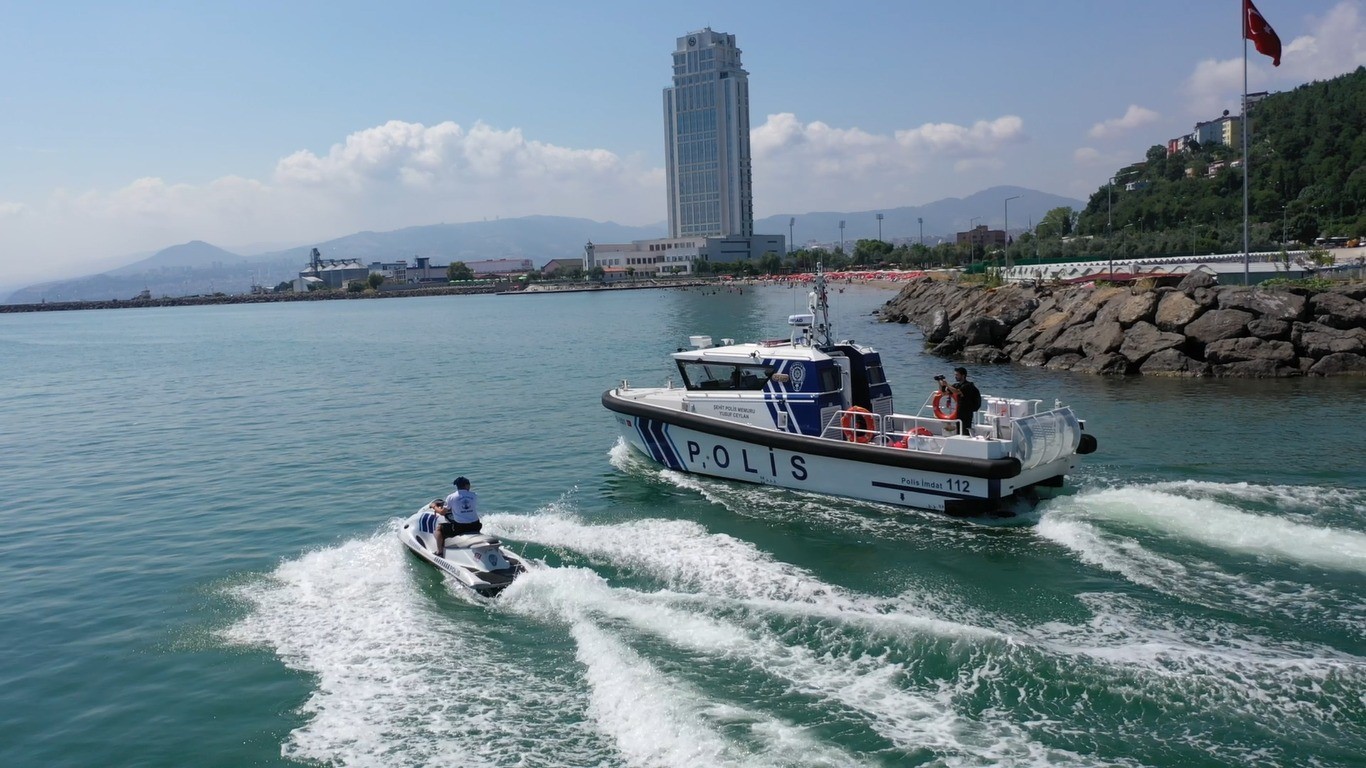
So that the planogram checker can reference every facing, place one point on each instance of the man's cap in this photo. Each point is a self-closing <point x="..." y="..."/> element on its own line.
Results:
<point x="462" y="482"/>
<point x="961" y="370"/>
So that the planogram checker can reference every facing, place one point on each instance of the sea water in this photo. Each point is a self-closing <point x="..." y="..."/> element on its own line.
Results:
<point x="200" y="564"/>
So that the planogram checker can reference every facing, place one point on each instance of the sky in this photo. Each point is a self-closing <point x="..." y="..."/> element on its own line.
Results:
<point x="127" y="127"/>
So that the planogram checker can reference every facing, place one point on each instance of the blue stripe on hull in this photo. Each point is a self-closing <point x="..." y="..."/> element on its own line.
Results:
<point x="653" y="434"/>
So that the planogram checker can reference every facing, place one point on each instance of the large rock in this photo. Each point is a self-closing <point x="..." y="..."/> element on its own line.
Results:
<point x="938" y="329"/>
<point x="1171" y="362"/>
<point x="984" y="330"/>
<point x="1247" y="348"/>
<point x="1196" y="279"/>
<point x="1267" y="328"/>
<point x="1104" y="364"/>
<point x="1063" y="362"/>
<point x="1070" y="340"/>
<point x="1340" y="364"/>
<point x="983" y="354"/>
<point x="1317" y="340"/>
<point x="1175" y="310"/>
<point x="1139" y="307"/>
<point x="1218" y="324"/>
<point x="1274" y="305"/>
<point x="1261" y="368"/>
<point x="1337" y="309"/>
<point x="1144" y="340"/>
<point x="1105" y="336"/>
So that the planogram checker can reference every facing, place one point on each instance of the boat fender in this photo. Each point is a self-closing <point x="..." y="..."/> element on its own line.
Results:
<point x="1088" y="443"/>
<point x="945" y="405"/>
<point x="858" y="425"/>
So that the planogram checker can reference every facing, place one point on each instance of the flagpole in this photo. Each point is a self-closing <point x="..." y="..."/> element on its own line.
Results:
<point x="1247" y="170"/>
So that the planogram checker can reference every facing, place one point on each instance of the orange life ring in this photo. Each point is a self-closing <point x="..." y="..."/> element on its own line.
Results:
<point x="949" y="411"/>
<point x="858" y="425"/>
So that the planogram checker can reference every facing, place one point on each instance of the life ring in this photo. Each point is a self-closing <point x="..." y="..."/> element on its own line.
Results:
<point x="858" y="425"/>
<point x="942" y="409"/>
<point x="920" y="432"/>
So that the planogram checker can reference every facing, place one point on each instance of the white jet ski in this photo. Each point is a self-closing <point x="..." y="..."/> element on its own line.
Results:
<point x="477" y="560"/>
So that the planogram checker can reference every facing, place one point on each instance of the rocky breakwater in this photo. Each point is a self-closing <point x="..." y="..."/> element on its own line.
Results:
<point x="1194" y="329"/>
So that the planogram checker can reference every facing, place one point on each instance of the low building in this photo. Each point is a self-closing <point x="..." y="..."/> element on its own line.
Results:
<point x="558" y="267"/>
<point x="679" y="255"/>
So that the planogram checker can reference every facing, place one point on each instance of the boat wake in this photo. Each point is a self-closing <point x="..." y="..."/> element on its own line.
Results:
<point x="658" y="642"/>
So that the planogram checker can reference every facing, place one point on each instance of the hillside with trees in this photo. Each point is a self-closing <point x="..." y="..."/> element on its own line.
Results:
<point x="1307" y="150"/>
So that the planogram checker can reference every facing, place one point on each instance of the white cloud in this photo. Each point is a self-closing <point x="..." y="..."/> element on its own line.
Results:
<point x="812" y="166"/>
<point x="1134" y="117"/>
<point x="390" y="176"/>
<point x="1335" y="45"/>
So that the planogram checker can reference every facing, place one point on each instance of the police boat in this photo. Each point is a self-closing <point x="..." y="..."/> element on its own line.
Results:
<point x="478" y="561"/>
<point x="813" y="414"/>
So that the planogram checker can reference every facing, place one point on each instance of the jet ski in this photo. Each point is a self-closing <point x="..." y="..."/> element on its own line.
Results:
<point x="476" y="560"/>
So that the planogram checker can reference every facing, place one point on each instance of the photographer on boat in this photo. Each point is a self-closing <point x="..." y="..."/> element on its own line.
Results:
<point x="965" y="394"/>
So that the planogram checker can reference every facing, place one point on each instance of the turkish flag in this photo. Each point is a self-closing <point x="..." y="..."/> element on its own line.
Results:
<point x="1260" y="33"/>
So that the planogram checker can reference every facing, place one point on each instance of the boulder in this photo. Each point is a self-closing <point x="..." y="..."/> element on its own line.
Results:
<point x="1105" y="336"/>
<point x="1139" y="307"/>
<point x="1267" y="328"/>
<point x="1063" y="362"/>
<point x="1316" y="340"/>
<point x="1261" y="368"/>
<point x="1175" y="310"/>
<point x="1145" y="339"/>
<point x="1274" y="305"/>
<point x="983" y="354"/>
<point x="1218" y="324"/>
<point x="984" y="330"/>
<point x="1172" y="362"/>
<point x="1248" y="348"/>
<point x="1196" y="279"/>
<point x="1036" y="359"/>
<point x="1070" y="340"/>
<point x="1337" y="309"/>
<point x="1104" y="364"/>
<point x="1340" y="364"/>
<point x="938" y="329"/>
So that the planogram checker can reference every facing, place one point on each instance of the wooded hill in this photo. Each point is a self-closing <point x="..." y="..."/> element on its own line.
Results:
<point x="1308" y="156"/>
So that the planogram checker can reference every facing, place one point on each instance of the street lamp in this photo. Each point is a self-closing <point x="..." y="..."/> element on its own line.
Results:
<point x="879" y="227"/>
<point x="790" y="222"/>
<point x="1007" y="228"/>
<point x="921" y="222"/>
<point x="841" y="236"/>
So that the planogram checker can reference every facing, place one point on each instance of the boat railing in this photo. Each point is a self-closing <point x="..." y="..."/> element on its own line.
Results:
<point x="896" y="430"/>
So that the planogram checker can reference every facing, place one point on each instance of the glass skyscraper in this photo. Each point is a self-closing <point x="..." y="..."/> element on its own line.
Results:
<point x="706" y="134"/>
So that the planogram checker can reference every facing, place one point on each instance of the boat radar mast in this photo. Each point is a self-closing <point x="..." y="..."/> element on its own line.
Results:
<point x="819" y="305"/>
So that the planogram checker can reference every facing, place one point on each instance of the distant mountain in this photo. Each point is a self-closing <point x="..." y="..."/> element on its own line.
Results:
<point x="195" y="253"/>
<point x="201" y="268"/>
<point x="943" y="218"/>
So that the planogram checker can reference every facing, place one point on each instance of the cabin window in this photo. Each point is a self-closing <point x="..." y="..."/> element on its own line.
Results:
<point x="875" y="375"/>
<point x="830" y="379"/>
<point x="709" y="376"/>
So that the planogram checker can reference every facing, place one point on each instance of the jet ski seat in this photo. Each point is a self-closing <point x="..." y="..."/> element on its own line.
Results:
<point x="473" y="540"/>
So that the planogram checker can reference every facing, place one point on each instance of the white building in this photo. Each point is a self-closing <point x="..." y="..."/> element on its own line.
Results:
<point x="706" y="139"/>
<point x="707" y="159"/>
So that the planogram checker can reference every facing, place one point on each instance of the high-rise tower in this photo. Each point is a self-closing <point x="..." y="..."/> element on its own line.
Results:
<point x="706" y="134"/>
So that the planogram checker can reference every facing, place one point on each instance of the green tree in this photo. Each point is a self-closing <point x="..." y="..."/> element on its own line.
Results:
<point x="459" y="271"/>
<point x="375" y="280"/>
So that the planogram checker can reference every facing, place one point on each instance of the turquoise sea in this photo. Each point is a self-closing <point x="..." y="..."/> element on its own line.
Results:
<point x="200" y="564"/>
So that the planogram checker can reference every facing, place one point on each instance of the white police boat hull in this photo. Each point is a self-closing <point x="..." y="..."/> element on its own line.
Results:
<point x="812" y="414"/>
<point x="477" y="561"/>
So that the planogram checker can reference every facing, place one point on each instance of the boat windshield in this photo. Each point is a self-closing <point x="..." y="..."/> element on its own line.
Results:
<point x="711" y="376"/>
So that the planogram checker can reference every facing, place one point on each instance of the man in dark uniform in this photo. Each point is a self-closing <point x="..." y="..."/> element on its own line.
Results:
<point x="968" y="397"/>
